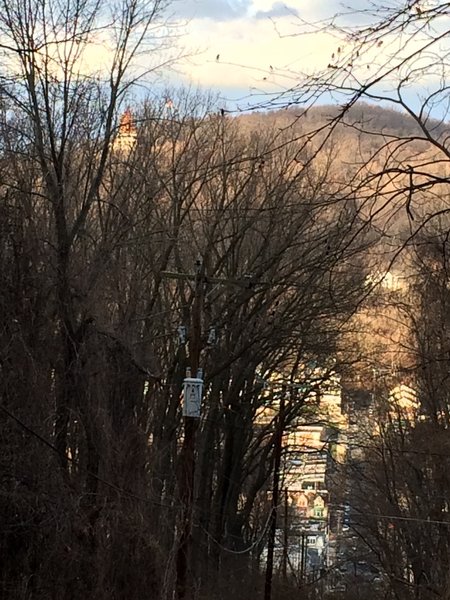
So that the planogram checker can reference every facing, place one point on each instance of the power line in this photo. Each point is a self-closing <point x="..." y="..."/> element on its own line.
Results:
<point x="412" y="519"/>
<point x="388" y="449"/>
<point x="246" y="282"/>
<point x="246" y="550"/>
<point x="125" y="492"/>
<point x="306" y="449"/>
<point x="76" y="462"/>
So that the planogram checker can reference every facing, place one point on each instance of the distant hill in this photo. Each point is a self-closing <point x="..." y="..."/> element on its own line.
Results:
<point x="370" y="117"/>
<point x="372" y="151"/>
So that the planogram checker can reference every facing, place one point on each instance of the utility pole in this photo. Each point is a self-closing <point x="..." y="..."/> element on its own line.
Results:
<point x="303" y="557"/>
<point x="191" y="414"/>
<point x="286" y="533"/>
<point x="278" y="448"/>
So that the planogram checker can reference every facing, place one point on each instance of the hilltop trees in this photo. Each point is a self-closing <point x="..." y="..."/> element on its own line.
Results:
<point x="393" y="55"/>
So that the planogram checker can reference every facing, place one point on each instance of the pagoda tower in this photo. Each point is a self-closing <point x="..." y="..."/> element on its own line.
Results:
<point x="127" y="133"/>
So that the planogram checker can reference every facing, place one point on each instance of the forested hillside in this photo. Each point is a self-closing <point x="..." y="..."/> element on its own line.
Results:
<point x="157" y="251"/>
<point x="205" y="244"/>
<point x="199" y="246"/>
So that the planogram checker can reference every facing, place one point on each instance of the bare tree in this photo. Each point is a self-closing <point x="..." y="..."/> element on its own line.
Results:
<point x="93" y="357"/>
<point x="400" y="461"/>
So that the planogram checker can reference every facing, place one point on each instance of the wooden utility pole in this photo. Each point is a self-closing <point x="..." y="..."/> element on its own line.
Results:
<point x="303" y="558"/>
<point x="285" y="533"/>
<point x="186" y="477"/>
<point x="186" y="474"/>
<point x="278" y="448"/>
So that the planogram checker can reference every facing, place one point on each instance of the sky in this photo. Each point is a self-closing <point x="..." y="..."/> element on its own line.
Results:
<point x="246" y="49"/>
<point x="251" y="51"/>
<point x="254" y="52"/>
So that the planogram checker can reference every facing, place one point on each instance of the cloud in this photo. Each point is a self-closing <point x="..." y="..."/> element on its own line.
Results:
<point x="309" y="10"/>
<point x="271" y="57"/>
<point x="277" y="10"/>
<point x="253" y="54"/>
<point x="217" y="10"/>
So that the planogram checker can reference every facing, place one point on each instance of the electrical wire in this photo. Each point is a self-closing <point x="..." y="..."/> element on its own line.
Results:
<point x="129" y="494"/>
<point x="393" y="517"/>
<point x="72" y="460"/>
<point x="246" y="550"/>
<point x="388" y="449"/>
